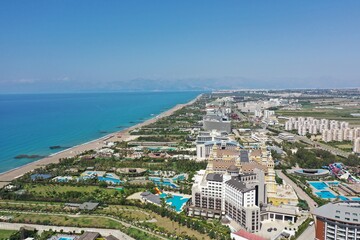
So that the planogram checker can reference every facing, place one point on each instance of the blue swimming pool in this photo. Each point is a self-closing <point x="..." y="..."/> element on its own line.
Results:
<point x="165" y="182"/>
<point x="334" y="183"/>
<point x="356" y="199"/>
<point x="325" y="194"/>
<point x="177" y="202"/>
<point x="319" y="185"/>
<point x="110" y="180"/>
<point x="179" y="178"/>
<point x="342" y="198"/>
<point x="66" y="238"/>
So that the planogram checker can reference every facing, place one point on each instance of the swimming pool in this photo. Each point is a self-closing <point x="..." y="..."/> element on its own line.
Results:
<point x="319" y="185"/>
<point x="342" y="198"/>
<point x="165" y="182"/>
<point x="110" y="180"/>
<point x="356" y="199"/>
<point x="66" y="238"/>
<point x="325" y="194"/>
<point x="334" y="183"/>
<point x="176" y="201"/>
<point x="180" y="177"/>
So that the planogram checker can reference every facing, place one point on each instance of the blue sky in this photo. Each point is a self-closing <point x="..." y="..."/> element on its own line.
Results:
<point x="78" y="45"/>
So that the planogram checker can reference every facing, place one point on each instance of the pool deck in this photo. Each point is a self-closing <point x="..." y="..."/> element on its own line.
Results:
<point x="322" y="190"/>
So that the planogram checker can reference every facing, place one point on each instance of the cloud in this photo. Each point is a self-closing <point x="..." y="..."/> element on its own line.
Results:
<point x="25" y="80"/>
<point x="63" y="79"/>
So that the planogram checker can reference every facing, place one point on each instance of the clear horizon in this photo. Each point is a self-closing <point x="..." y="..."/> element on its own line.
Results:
<point x="95" y="46"/>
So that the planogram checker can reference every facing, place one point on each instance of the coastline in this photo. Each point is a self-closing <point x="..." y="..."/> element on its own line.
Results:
<point x="122" y="135"/>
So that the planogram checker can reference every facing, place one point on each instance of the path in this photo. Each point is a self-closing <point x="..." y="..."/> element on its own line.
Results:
<point x="41" y="228"/>
<point x="128" y="225"/>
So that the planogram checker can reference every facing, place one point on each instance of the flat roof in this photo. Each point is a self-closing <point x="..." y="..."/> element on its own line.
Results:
<point x="89" y="236"/>
<point x="342" y="211"/>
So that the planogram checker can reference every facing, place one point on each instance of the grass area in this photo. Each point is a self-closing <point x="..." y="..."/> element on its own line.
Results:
<point x="51" y="188"/>
<point x="5" y="234"/>
<point x="124" y="212"/>
<point x="55" y="192"/>
<point x="135" y="233"/>
<point x="127" y="212"/>
<point x="31" y="206"/>
<point x="62" y="220"/>
<point x="346" y="146"/>
<point x="176" y="227"/>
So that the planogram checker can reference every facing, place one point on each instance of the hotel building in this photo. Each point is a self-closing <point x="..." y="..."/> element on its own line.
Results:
<point x="338" y="221"/>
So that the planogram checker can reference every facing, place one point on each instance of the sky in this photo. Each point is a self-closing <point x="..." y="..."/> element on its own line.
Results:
<point x="86" y="45"/>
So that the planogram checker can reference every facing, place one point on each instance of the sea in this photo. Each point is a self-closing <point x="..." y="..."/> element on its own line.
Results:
<point x="31" y="123"/>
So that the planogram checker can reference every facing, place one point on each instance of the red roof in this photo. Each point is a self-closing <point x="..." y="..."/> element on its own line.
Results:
<point x="247" y="235"/>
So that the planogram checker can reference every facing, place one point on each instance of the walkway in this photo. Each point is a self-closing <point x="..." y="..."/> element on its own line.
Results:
<point x="41" y="228"/>
<point x="128" y="225"/>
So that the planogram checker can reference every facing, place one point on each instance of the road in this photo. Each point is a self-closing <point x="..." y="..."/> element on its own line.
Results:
<point x="323" y="146"/>
<point x="301" y="194"/>
<point x="308" y="234"/>
<point x="41" y="228"/>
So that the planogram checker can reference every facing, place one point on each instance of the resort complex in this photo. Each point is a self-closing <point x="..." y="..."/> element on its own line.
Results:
<point x="224" y="166"/>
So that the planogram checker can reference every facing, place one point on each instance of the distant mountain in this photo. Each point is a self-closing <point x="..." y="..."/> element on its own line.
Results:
<point x="178" y="85"/>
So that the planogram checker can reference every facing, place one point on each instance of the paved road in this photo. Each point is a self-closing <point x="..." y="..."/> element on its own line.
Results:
<point x="324" y="147"/>
<point x="308" y="234"/>
<point x="301" y="194"/>
<point x="41" y="228"/>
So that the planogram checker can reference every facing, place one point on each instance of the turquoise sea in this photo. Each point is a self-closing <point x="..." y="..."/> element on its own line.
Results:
<point x="31" y="123"/>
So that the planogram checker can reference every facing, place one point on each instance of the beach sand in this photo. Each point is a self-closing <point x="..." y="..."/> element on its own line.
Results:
<point x="123" y="135"/>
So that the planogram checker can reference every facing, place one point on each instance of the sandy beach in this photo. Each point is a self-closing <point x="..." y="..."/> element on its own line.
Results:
<point x="123" y="135"/>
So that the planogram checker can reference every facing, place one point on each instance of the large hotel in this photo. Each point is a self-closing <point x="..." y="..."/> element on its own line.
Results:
<point x="338" y="221"/>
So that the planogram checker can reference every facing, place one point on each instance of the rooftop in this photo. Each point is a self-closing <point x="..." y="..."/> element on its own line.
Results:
<point x="89" y="236"/>
<point x="344" y="211"/>
<point x="214" y="177"/>
<point x="247" y="235"/>
<point x="88" y="206"/>
<point x="151" y="198"/>
<point x="237" y="184"/>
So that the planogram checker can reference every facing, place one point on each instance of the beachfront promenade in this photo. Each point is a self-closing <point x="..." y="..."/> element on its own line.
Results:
<point x="123" y="135"/>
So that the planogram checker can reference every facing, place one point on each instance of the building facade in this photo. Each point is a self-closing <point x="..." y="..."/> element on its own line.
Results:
<point x="338" y="221"/>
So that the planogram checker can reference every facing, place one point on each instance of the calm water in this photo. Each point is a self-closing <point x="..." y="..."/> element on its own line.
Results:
<point x="31" y="123"/>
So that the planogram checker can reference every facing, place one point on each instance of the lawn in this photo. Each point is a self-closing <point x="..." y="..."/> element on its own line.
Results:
<point x="32" y="206"/>
<point x="50" y="188"/>
<point x="65" y="193"/>
<point x="5" y="234"/>
<point x="176" y="227"/>
<point x="128" y="212"/>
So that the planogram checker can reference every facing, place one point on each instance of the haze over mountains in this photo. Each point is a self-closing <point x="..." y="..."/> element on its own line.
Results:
<point x="188" y="84"/>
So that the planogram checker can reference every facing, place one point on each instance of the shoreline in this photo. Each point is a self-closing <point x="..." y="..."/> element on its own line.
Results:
<point x="122" y="135"/>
